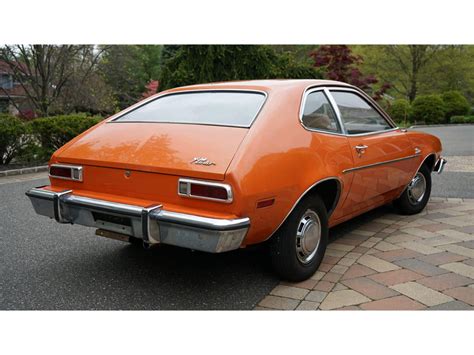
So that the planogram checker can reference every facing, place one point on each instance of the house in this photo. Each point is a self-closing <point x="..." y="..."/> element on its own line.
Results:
<point x="13" y="99"/>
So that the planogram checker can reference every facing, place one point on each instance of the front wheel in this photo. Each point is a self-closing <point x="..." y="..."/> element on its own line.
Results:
<point x="298" y="246"/>
<point x="416" y="195"/>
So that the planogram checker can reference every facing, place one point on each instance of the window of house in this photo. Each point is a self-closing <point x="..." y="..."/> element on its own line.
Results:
<point x="6" y="81"/>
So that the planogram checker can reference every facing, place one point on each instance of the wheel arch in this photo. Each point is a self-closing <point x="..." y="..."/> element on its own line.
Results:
<point x="329" y="189"/>
<point x="429" y="160"/>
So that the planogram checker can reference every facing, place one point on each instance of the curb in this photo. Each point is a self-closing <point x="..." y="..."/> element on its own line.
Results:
<point x="442" y="125"/>
<point x="31" y="170"/>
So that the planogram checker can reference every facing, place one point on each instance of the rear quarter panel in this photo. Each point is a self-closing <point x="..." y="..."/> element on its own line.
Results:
<point x="280" y="159"/>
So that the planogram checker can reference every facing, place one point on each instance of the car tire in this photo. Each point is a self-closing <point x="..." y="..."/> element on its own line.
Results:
<point x="298" y="247"/>
<point x="416" y="195"/>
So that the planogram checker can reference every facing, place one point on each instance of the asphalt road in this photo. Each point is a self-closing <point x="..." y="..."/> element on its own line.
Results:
<point x="456" y="140"/>
<point x="44" y="265"/>
<point x="458" y="147"/>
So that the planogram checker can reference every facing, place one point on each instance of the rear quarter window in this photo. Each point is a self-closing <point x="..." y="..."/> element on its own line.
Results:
<point x="221" y="108"/>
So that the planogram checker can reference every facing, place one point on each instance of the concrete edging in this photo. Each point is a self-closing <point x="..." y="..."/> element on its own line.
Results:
<point x="442" y="125"/>
<point x="30" y="170"/>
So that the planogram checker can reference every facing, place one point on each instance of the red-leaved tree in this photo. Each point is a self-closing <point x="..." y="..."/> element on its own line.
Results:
<point x="151" y="88"/>
<point x="339" y="63"/>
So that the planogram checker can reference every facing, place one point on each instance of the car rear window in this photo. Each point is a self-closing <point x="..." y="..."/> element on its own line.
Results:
<point x="222" y="108"/>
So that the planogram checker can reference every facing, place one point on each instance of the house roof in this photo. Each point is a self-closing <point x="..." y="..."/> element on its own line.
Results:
<point x="16" y="91"/>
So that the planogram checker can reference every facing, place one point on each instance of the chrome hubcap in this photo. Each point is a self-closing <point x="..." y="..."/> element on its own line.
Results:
<point x="416" y="189"/>
<point x="308" y="236"/>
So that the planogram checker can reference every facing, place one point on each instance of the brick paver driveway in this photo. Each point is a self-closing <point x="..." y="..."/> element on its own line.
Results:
<point x="386" y="261"/>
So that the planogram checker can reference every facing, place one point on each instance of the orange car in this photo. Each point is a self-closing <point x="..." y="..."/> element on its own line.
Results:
<point x="217" y="167"/>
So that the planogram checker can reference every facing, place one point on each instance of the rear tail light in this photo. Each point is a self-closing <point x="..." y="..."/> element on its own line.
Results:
<point x="205" y="190"/>
<point x="67" y="172"/>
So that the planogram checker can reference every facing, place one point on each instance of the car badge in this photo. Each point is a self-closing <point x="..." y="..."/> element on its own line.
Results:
<point x="202" y="161"/>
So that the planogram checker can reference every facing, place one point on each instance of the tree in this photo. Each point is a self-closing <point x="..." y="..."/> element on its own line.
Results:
<point x="185" y="65"/>
<point x="341" y="64"/>
<point x="411" y="60"/>
<point x="91" y="95"/>
<point x="406" y="67"/>
<point x="44" y="70"/>
<point x="127" y="69"/>
<point x="151" y="89"/>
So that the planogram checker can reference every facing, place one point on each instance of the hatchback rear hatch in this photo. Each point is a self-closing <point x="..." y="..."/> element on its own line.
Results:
<point x="192" y="133"/>
<point x="159" y="148"/>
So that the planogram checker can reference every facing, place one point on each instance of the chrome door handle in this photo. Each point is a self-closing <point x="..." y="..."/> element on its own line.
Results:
<point x="360" y="149"/>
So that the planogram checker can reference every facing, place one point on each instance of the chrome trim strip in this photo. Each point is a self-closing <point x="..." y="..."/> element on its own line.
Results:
<point x="380" y="163"/>
<point x="336" y="110"/>
<point x="370" y="101"/>
<point x="72" y="167"/>
<point x="336" y="201"/>
<point x="333" y="107"/>
<point x="327" y="91"/>
<point x="187" y="91"/>
<point x="188" y="182"/>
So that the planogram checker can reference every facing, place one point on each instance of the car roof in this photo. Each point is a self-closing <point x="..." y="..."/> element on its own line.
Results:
<point x="262" y="85"/>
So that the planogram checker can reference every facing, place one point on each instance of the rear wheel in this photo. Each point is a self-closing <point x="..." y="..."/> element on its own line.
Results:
<point x="298" y="247"/>
<point x="416" y="195"/>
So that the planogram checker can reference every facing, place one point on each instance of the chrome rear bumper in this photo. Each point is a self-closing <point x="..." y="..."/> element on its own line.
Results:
<point x="152" y="223"/>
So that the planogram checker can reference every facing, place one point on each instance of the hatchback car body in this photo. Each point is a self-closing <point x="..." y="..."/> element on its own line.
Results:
<point x="221" y="166"/>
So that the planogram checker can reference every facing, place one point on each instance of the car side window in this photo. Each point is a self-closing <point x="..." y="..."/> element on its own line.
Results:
<point x="357" y="115"/>
<point x="318" y="113"/>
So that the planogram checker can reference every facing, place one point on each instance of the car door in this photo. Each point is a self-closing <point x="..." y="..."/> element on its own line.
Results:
<point x="382" y="154"/>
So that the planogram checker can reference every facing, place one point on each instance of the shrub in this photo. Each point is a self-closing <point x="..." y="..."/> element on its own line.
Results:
<point x="32" y="153"/>
<point x="469" y="119"/>
<point x="399" y="110"/>
<point x="12" y="137"/>
<point x="457" y="119"/>
<point x="53" y="132"/>
<point x="462" y="119"/>
<point x="455" y="104"/>
<point x="428" y="109"/>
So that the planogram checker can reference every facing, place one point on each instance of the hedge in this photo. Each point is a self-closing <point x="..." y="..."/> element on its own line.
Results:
<point x="36" y="141"/>
<point x="12" y="137"/>
<point x="462" y="119"/>
<point x="53" y="132"/>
